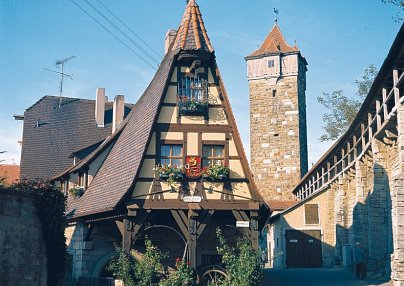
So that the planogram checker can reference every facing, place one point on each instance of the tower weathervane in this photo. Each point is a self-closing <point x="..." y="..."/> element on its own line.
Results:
<point x="276" y="11"/>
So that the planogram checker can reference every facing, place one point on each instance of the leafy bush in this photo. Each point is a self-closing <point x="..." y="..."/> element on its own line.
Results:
<point x="123" y="267"/>
<point x="182" y="276"/>
<point x="144" y="272"/>
<point x="242" y="263"/>
<point x="148" y="268"/>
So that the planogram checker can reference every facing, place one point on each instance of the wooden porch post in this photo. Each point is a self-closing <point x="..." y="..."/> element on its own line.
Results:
<point x="192" y="237"/>
<point x="127" y="234"/>
<point x="254" y="228"/>
<point x="131" y="226"/>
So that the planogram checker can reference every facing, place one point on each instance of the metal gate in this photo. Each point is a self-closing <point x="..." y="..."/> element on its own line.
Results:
<point x="303" y="248"/>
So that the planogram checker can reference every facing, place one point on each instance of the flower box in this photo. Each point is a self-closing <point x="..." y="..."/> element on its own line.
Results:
<point x="216" y="173"/>
<point x="76" y="192"/>
<point x="193" y="107"/>
<point x="170" y="173"/>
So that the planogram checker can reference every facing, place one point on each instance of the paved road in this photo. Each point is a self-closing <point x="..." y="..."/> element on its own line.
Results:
<point x="313" y="277"/>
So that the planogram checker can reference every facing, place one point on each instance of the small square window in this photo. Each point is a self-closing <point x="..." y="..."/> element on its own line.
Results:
<point x="212" y="154"/>
<point x="171" y="155"/>
<point x="271" y="63"/>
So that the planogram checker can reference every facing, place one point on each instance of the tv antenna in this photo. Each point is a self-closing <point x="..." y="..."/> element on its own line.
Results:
<point x="61" y="65"/>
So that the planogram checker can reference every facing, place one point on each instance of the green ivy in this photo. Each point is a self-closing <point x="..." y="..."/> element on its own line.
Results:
<point x="242" y="263"/>
<point x="51" y="207"/>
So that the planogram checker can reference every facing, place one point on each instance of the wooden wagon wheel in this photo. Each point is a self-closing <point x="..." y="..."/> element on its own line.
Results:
<point x="212" y="275"/>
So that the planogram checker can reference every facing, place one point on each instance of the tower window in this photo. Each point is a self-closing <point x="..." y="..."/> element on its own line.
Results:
<point x="273" y="92"/>
<point x="271" y="63"/>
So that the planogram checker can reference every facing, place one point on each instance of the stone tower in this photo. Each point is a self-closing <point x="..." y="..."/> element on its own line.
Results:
<point x="277" y="82"/>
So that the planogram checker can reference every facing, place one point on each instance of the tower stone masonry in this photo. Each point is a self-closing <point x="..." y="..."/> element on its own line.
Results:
<point x="278" y="134"/>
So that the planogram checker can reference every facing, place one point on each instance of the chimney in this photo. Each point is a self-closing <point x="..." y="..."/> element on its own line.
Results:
<point x="170" y="36"/>
<point x="100" y="106"/>
<point x="118" y="112"/>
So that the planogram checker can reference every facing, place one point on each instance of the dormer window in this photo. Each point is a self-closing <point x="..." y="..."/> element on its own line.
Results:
<point x="193" y="95"/>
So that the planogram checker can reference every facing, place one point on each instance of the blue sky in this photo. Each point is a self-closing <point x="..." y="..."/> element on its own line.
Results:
<point x="338" y="38"/>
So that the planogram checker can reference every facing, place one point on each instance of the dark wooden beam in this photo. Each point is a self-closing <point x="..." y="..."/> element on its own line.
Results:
<point x="205" y="128"/>
<point x="204" y="221"/>
<point x="177" y="204"/>
<point x="180" y="222"/>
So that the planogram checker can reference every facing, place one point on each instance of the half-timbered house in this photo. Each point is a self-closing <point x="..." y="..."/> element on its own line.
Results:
<point x="174" y="171"/>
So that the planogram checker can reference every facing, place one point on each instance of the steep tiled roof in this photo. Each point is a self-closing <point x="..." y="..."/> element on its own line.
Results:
<point x="51" y="134"/>
<point x="11" y="173"/>
<point x="274" y="44"/>
<point x="192" y="34"/>
<point x="120" y="168"/>
<point x="119" y="171"/>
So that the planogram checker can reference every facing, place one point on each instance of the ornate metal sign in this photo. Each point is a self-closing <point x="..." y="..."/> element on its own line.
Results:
<point x="193" y="167"/>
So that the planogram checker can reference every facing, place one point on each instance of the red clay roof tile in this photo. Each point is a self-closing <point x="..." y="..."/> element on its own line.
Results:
<point x="274" y="43"/>
<point x="192" y="34"/>
<point x="11" y="173"/>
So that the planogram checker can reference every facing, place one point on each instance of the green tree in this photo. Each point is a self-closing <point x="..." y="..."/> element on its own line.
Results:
<point x="341" y="109"/>
<point x="399" y="3"/>
<point x="242" y="263"/>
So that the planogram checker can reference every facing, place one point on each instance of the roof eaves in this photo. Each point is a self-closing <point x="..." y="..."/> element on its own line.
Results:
<point x="86" y="206"/>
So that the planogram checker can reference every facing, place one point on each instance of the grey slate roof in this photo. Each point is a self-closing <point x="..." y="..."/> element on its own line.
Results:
<point x="119" y="170"/>
<point x="51" y="134"/>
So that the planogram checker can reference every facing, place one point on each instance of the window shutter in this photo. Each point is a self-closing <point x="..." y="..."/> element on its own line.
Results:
<point x="311" y="213"/>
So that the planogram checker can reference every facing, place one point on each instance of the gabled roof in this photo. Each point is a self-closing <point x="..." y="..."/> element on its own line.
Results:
<point x="118" y="173"/>
<point x="191" y="35"/>
<point x="274" y="43"/>
<point x="51" y="133"/>
<point x="119" y="170"/>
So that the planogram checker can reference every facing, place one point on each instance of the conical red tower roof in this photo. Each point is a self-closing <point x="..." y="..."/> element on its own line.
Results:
<point x="191" y="35"/>
<point x="274" y="43"/>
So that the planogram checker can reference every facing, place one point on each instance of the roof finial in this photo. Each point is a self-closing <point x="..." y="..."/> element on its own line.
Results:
<point x="276" y="11"/>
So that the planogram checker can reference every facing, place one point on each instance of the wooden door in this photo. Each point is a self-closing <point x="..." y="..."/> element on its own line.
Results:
<point x="303" y="248"/>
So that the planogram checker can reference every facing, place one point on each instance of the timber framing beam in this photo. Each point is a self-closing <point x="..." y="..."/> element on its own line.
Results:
<point x="180" y="205"/>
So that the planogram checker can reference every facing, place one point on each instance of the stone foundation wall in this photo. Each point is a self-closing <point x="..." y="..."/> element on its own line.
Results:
<point x="92" y="251"/>
<point x="22" y="245"/>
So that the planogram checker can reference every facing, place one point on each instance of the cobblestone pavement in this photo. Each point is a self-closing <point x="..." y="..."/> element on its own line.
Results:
<point x="313" y="277"/>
